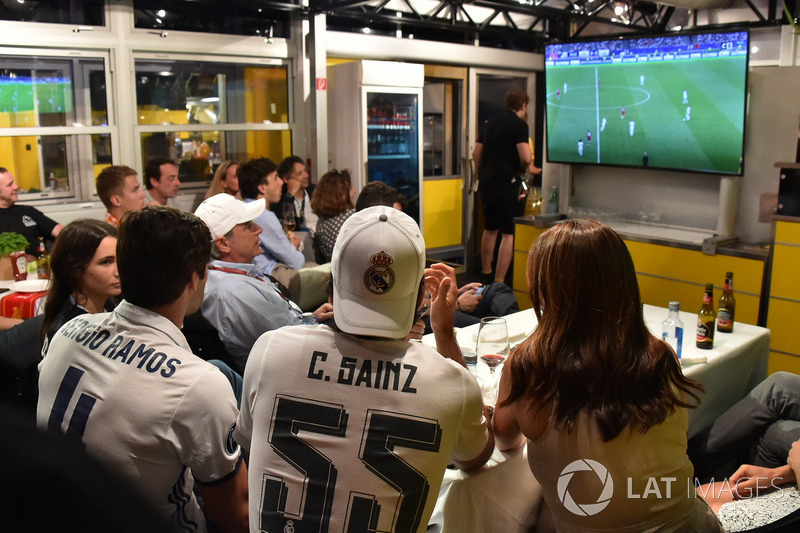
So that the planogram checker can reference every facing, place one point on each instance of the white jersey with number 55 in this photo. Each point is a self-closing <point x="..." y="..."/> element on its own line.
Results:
<point x="350" y="434"/>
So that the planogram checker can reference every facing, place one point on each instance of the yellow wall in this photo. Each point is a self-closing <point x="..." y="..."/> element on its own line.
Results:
<point x="523" y="239"/>
<point x="442" y="212"/>
<point x="267" y="90"/>
<point x="22" y="162"/>
<point x="667" y="273"/>
<point x="784" y="301"/>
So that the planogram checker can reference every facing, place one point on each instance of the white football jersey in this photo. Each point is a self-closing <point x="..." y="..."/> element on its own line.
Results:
<point x="349" y="434"/>
<point x="126" y="384"/>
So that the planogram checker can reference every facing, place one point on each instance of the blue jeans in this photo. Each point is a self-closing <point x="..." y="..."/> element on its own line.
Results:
<point x="770" y="413"/>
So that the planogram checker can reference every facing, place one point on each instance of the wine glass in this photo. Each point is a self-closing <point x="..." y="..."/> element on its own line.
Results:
<point x="492" y="345"/>
<point x="289" y="221"/>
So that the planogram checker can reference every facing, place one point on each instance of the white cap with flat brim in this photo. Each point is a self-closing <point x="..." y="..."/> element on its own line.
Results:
<point x="378" y="263"/>
<point x="222" y="212"/>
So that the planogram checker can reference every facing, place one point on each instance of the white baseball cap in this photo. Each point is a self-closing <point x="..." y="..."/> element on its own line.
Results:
<point x="378" y="263"/>
<point x="222" y="212"/>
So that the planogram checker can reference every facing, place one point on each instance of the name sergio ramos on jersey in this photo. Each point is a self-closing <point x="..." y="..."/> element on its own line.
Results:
<point x="94" y="337"/>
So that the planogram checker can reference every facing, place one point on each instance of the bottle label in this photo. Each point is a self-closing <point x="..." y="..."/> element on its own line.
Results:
<point x="704" y="332"/>
<point x="676" y="341"/>
<point x="724" y="318"/>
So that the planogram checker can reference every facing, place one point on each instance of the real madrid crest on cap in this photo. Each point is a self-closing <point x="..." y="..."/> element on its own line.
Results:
<point x="379" y="278"/>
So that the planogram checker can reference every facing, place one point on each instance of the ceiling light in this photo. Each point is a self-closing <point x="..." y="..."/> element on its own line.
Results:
<point x="161" y="13"/>
<point x="366" y="29"/>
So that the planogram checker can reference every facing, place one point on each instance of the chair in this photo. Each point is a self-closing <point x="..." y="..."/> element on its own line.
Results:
<point x="20" y="353"/>
<point x="203" y="338"/>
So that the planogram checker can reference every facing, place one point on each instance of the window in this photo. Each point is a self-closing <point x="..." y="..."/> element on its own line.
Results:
<point x="233" y="17"/>
<point x="54" y="124"/>
<point x="203" y="113"/>
<point x="84" y="12"/>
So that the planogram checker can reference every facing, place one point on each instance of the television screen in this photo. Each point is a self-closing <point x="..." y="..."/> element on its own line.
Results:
<point x="669" y="102"/>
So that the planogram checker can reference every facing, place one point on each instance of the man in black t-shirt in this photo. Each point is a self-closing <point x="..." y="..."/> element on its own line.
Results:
<point x="502" y="154"/>
<point x="23" y="219"/>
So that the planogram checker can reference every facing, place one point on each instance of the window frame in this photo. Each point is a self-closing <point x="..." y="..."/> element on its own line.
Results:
<point x="80" y="167"/>
<point x="139" y="129"/>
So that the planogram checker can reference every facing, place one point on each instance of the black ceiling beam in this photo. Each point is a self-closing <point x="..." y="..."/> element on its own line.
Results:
<point x="755" y="10"/>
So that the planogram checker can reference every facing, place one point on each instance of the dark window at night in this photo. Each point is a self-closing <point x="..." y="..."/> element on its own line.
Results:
<point x="231" y="17"/>
<point x="87" y="12"/>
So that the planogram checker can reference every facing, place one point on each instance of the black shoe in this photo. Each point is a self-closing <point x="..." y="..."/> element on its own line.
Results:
<point x="486" y="278"/>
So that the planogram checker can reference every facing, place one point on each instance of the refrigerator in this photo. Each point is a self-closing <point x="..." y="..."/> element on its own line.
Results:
<point x="374" y="125"/>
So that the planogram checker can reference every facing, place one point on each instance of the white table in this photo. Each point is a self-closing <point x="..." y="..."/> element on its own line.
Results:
<point x="504" y="495"/>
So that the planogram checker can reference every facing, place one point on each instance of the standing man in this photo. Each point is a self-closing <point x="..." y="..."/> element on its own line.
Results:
<point x="580" y="147"/>
<point x="296" y="181"/>
<point x="23" y="219"/>
<point x="128" y="387"/>
<point x="356" y="432"/>
<point x="161" y="180"/>
<point x="120" y="191"/>
<point x="502" y="154"/>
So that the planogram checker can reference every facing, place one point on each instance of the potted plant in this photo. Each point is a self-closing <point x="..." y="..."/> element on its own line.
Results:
<point x="10" y="242"/>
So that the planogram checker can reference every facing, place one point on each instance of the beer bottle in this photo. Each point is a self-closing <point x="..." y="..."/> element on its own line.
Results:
<point x="705" y="320"/>
<point x="42" y="261"/>
<point x="727" y="306"/>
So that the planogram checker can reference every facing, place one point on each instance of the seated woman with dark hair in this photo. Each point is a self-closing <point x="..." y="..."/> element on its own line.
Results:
<point x="84" y="276"/>
<point x="333" y="204"/>
<point x="601" y="403"/>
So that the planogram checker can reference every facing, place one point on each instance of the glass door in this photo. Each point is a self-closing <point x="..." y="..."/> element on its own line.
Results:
<point x="393" y="144"/>
<point x="444" y="161"/>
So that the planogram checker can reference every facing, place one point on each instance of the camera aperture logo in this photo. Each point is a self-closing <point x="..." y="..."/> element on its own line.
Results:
<point x="585" y="509"/>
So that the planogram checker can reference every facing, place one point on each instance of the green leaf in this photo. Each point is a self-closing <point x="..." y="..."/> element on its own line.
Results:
<point x="11" y="242"/>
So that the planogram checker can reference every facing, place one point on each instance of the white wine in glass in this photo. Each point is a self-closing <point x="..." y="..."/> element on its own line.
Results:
<point x="289" y="221"/>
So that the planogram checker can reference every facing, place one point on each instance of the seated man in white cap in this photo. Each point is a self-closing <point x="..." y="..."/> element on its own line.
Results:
<point x="239" y="302"/>
<point x="350" y="427"/>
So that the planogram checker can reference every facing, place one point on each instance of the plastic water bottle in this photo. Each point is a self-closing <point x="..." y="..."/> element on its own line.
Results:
<point x="554" y="202"/>
<point x="672" y="328"/>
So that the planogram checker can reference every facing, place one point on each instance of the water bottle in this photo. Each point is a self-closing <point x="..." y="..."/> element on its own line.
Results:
<point x="554" y="203"/>
<point x="672" y="328"/>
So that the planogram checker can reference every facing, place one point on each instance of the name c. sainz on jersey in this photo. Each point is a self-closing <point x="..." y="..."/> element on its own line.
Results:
<point x="385" y="375"/>
<point x="96" y="338"/>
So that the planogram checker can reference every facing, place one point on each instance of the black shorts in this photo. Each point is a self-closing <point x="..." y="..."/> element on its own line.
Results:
<point x="500" y="206"/>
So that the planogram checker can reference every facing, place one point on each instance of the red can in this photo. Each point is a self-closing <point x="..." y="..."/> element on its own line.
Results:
<point x="19" y="265"/>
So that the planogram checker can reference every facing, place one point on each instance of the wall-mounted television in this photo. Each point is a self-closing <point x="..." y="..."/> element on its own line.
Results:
<point x="672" y="102"/>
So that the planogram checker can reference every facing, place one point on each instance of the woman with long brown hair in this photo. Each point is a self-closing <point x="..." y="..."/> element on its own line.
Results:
<point x="602" y="403"/>
<point x="333" y="203"/>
